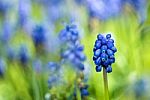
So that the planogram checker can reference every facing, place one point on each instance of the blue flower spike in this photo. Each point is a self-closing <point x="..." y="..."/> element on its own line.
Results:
<point x="73" y="51"/>
<point x="104" y="51"/>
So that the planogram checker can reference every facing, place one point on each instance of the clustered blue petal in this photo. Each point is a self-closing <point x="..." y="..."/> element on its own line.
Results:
<point x="74" y="50"/>
<point x="104" y="51"/>
<point x="70" y="33"/>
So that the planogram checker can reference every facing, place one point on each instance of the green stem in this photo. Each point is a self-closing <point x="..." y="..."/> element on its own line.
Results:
<point x="105" y="84"/>
<point x="78" y="94"/>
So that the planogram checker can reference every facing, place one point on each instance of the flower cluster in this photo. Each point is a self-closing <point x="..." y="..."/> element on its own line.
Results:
<point x="104" y="50"/>
<point x="73" y="52"/>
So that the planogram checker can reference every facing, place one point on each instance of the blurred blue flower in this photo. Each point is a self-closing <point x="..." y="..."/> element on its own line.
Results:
<point x="51" y="2"/>
<point x="24" y="11"/>
<point x="104" y="9"/>
<point x="2" y="67"/>
<point x="54" y="9"/>
<point x="37" y="65"/>
<point x="84" y="91"/>
<point x="73" y="51"/>
<point x="80" y="2"/>
<point x="55" y="74"/>
<point x="139" y="88"/>
<point x="53" y="67"/>
<point x="7" y="31"/>
<point x="10" y="53"/>
<point x="4" y="6"/>
<point x="38" y="35"/>
<point x="53" y="80"/>
<point x="23" y="55"/>
<point x="104" y="51"/>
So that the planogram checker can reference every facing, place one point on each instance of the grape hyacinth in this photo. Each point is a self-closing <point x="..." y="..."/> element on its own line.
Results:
<point x="84" y="91"/>
<point x="7" y="31"/>
<point x="24" y="8"/>
<point x="54" y="9"/>
<point x="23" y="55"/>
<point x="74" y="50"/>
<point x="104" y="50"/>
<point x="55" y="75"/>
<point x="10" y="53"/>
<point x="38" y="35"/>
<point x="73" y="53"/>
<point x="5" y="5"/>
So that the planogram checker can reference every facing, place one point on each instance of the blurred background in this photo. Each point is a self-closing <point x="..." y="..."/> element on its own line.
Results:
<point x="33" y="44"/>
